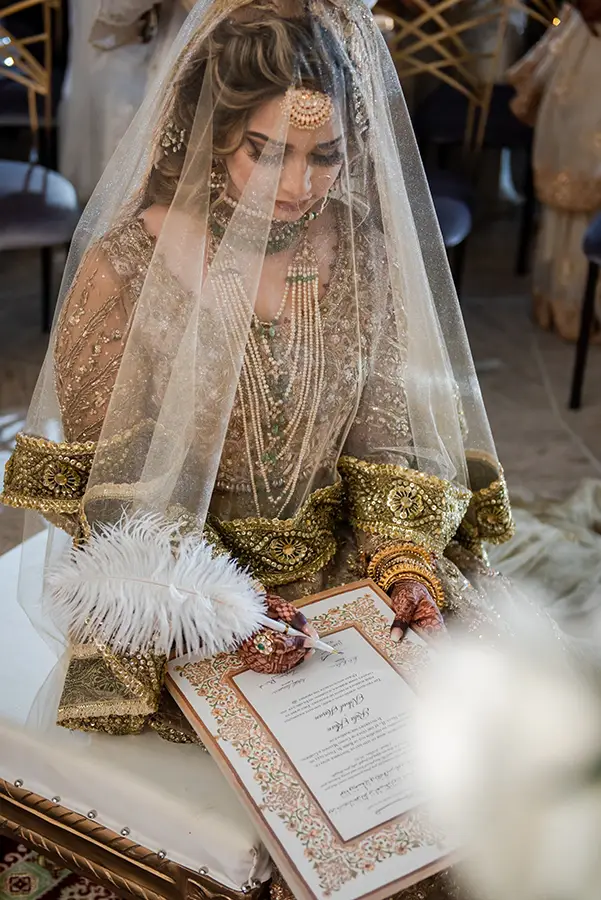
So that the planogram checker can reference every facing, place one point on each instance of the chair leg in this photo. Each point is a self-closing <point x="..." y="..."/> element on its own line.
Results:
<point x="527" y="222"/>
<point x="46" y="261"/>
<point x="49" y="148"/>
<point x="586" y="324"/>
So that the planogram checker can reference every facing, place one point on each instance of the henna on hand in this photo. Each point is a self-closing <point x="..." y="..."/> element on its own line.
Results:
<point x="428" y="618"/>
<point x="271" y="652"/>
<point x="413" y="606"/>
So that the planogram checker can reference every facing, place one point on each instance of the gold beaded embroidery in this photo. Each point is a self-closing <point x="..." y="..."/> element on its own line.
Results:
<point x="280" y="551"/>
<point x="401" y="503"/>
<point x="119" y="695"/>
<point x="488" y="519"/>
<point x="493" y="512"/>
<point x="49" y="477"/>
<point x="113" y="725"/>
<point x="170" y="723"/>
<point x="467" y="536"/>
<point x="102" y="686"/>
<point x="173" y="732"/>
<point x="278" y="889"/>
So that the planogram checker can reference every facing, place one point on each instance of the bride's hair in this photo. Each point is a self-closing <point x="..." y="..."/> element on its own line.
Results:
<point x="250" y="63"/>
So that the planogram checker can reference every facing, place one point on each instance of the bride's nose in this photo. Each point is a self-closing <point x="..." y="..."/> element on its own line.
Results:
<point x="295" y="183"/>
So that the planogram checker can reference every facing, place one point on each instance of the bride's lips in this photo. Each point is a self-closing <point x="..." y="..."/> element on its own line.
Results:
<point x="292" y="208"/>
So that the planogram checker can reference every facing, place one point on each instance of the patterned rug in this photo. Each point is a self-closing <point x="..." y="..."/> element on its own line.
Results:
<point x="25" y="876"/>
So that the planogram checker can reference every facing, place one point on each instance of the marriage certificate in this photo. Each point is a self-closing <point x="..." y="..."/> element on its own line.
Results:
<point x="322" y="756"/>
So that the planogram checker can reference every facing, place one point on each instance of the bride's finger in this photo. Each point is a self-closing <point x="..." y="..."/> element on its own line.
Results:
<point x="398" y="630"/>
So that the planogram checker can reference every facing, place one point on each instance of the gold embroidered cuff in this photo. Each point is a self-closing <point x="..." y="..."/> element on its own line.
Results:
<point x="402" y="503"/>
<point x="396" y="562"/>
<point x="494" y="520"/>
<point x="48" y="477"/>
<point x="108" y="691"/>
<point x="488" y="518"/>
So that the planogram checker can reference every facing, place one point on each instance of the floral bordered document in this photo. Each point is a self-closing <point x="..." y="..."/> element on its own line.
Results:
<point x="322" y="756"/>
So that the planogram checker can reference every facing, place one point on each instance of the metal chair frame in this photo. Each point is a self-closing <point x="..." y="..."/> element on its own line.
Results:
<point x="36" y="78"/>
<point x="453" y="59"/>
<point x="586" y="324"/>
<point x="26" y="70"/>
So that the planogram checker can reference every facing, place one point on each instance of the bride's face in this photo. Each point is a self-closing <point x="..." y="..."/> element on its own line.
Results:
<point x="310" y="163"/>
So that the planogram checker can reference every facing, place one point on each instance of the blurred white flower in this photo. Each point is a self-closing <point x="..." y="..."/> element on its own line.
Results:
<point x="508" y="741"/>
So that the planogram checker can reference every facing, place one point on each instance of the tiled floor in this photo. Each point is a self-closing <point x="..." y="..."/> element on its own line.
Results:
<point x="525" y="373"/>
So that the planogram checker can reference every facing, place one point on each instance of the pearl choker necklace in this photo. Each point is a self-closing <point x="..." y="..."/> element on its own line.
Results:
<point x="282" y="235"/>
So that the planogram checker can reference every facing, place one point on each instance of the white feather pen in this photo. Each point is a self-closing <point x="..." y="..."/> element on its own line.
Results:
<point x="129" y="588"/>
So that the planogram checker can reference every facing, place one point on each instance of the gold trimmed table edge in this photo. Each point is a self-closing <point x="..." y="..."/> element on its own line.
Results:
<point x="90" y="849"/>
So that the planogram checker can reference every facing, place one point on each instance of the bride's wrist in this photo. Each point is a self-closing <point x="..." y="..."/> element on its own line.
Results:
<point x="396" y="563"/>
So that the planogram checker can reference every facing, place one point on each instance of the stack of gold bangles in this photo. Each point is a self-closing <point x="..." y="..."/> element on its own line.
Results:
<point x="396" y="562"/>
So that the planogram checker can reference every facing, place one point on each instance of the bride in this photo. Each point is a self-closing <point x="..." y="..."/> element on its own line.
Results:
<point x="259" y="346"/>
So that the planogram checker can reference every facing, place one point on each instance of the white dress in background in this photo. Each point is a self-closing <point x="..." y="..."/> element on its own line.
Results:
<point x="109" y="71"/>
<point x="559" y="91"/>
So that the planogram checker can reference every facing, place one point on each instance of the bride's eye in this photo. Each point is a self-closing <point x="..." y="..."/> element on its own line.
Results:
<point x="328" y="159"/>
<point x="257" y="154"/>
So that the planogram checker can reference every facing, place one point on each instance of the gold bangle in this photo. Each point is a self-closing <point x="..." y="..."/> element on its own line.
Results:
<point x="394" y="549"/>
<point x="405" y="562"/>
<point x="397" y="557"/>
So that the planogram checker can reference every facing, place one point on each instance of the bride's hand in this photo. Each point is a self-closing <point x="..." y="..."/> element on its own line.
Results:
<point x="271" y="652"/>
<point x="414" y="607"/>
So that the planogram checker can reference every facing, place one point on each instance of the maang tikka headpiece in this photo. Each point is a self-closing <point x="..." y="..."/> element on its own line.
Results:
<point x="306" y="109"/>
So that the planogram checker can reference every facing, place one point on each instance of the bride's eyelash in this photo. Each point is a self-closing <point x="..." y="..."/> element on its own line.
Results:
<point x="257" y="154"/>
<point x="328" y="159"/>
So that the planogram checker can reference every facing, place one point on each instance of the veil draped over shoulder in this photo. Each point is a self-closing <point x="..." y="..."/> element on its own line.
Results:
<point x="169" y="389"/>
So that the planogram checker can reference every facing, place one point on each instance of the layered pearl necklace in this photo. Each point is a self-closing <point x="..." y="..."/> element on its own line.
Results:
<point x="280" y="393"/>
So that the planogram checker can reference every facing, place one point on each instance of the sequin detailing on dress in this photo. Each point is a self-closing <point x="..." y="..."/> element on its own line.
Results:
<point x="50" y="477"/>
<point x="402" y="503"/>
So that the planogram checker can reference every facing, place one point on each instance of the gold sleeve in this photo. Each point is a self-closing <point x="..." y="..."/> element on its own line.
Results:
<point x="51" y="477"/>
<point x="89" y="342"/>
<point x="488" y="519"/>
<point x="392" y="502"/>
<point x="404" y="519"/>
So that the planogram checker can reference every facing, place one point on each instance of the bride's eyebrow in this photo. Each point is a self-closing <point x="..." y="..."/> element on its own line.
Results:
<point x="264" y="137"/>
